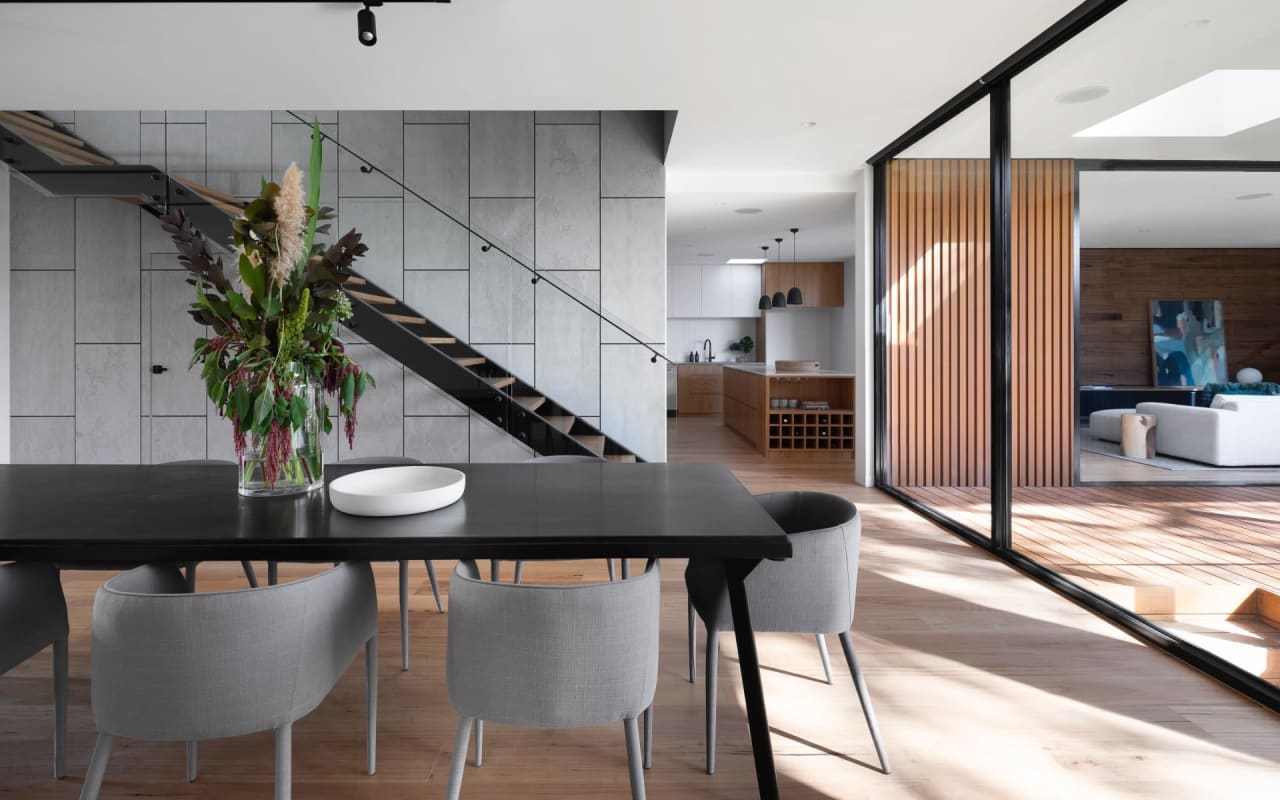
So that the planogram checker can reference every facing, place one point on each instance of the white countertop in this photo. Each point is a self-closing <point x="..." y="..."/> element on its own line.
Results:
<point x="757" y="368"/>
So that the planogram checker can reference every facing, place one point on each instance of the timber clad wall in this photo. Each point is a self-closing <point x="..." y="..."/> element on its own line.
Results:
<point x="1117" y="286"/>
<point x="939" y="346"/>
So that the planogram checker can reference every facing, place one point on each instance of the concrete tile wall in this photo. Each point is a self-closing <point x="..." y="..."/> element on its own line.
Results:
<point x="579" y="193"/>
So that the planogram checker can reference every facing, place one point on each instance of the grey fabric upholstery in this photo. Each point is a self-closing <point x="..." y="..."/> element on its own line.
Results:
<point x="169" y="665"/>
<point x="811" y="592"/>
<point x="551" y="657"/>
<point x="33" y="616"/>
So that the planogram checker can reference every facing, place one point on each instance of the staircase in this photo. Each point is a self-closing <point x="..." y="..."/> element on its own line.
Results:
<point x="62" y="164"/>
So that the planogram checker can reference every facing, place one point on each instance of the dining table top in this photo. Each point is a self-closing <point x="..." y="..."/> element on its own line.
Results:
<point x="135" y="513"/>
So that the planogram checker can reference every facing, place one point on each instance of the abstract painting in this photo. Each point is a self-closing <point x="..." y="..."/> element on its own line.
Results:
<point x="1188" y="344"/>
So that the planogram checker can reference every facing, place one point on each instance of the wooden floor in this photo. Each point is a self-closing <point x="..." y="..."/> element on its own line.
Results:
<point x="986" y="684"/>
<point x="1139" y="535"/>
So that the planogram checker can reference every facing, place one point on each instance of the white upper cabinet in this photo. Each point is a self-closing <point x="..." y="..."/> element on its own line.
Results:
<point x="714" y="290"/>
<point x="684" y="292"/>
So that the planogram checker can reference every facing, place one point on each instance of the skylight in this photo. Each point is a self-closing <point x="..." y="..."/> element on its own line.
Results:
<point x="1220" y="103"/>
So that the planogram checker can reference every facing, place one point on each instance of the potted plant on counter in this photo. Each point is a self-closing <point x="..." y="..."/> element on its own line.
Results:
<point x="273" y="354"/>
<point x="744" y="345"/>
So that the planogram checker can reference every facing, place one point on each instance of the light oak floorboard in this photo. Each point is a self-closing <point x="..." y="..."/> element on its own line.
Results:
<point x="986" y="684"/>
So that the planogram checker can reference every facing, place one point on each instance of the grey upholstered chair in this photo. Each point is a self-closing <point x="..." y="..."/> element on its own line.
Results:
<point x="811" y="592"/>
<point x="402" y="461"/>
<point x="169" y="665"/>
<point x="249" y="574"/>
<point x="494" y="566"/>
<point x="552" y="657"/>
<point x="33" y="616"/>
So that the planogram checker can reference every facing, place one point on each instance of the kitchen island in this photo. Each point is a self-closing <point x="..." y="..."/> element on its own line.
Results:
<point x="758" y="406"/>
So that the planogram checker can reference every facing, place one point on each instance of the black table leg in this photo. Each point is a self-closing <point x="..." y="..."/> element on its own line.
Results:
<point x="752" y="690"/>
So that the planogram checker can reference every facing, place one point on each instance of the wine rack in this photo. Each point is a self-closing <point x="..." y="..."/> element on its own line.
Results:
<point x="801" y="429"/>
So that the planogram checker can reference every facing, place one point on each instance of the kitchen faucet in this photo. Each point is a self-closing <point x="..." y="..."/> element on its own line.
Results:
<point x="706" y="344"/>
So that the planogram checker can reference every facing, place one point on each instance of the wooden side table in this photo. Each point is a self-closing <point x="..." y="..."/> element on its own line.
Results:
<point x="1138" y="435"/>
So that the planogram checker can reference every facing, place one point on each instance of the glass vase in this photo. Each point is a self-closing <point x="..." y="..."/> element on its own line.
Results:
<point x="303" y="470"/>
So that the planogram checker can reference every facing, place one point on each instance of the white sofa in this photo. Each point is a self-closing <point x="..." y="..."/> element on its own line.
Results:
<point x="1238" y="430"/>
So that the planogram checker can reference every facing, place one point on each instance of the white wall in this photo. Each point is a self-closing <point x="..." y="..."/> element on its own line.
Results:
<point x="802" y="334"/>
<point x="4" y="312"/>
<point x="684" y="335"/>
<point x="858" y="301"/>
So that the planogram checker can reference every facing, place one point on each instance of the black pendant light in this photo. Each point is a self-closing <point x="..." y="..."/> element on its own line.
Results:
<point x="794" y="296"/>
<point x="779" y="299"/>
<point x="765" y="303"/>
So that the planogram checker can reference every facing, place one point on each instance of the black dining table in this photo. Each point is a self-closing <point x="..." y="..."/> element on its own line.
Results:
<point x="88" y="514"/>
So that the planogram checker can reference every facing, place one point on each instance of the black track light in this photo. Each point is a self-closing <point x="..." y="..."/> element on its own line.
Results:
<point x="367" y="25"/>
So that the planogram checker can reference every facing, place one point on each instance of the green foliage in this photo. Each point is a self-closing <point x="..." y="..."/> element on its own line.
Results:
<point x="267" y="336"/>
<point x="744" y="345"/>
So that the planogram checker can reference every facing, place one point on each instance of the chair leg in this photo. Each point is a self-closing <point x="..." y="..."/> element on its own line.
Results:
<point x="97" y="768"/>
<point x="495" y="570"/>
<point x="284" y="761"/>
<point x="273" y="573"/>
<point x="826" y="658"/>
<point x="371" y="700"/>
<point x="193" y="762"/>
<point x="250" y="574"/>
<point x="634" y="758"/>
<point x="626" y="568"/>
<point x="693" y="644"/>
<point x="846" y="639"/>
<point x="479" y="742"/>
<point x="713" y="659"/>
<point x="435" y="586"/>
<point x="404" y="616"/>
<point x="519" y="571"/>
<point x="60" y="708"/>
<point x="612" y="576"/>
<point x="648" y="737"/>
<point x="459" y="761"/>
<point x="191" y="576"/>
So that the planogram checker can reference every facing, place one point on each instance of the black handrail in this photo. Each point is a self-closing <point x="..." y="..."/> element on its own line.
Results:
<point x="488" y="242"/>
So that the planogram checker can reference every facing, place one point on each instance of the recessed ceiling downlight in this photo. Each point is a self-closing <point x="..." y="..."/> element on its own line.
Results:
<point x="1254" y="196"/>
<point x="1085" y="94"/>
<point x="747" y="210"/>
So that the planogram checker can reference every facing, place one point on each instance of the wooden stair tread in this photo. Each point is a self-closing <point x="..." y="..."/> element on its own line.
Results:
<point x="211" y="194"/>
<point x="562" y="424"/>
<point x="593" y="443"/>
<point x="36" y="118"/>
<point x="531" y="402"/>
<point x="500" y="383"/>
<point x="620" y="458"/>
<point x="356" y="280"/>
<point x="469" y="361"/>
<point x="39" y="132"/>
<point x="374" y="299"/>
<point x="71" y="155"/>
<point x="439" y="339"/>
<point x="405" y="319"/>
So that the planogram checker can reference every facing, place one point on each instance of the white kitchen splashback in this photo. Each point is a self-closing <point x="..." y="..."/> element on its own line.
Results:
<point x="685" y="335"/>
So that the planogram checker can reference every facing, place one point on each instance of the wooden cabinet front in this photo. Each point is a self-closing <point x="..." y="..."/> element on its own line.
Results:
<point x="699" y="389"/>
<point x="821" y="283"/>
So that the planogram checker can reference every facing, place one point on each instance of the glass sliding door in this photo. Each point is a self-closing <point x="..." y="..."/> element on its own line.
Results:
<point x="1146" y="222"/>
<point x="937" y="346"/>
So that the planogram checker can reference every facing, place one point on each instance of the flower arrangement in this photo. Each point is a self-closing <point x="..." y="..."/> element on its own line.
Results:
<point x="274" y="331"/>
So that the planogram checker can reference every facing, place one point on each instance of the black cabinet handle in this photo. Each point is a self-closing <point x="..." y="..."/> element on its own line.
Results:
<point x="156" y="369"/>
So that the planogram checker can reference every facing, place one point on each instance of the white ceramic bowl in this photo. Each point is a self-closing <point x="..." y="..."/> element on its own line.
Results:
<point x="395" y="491"/>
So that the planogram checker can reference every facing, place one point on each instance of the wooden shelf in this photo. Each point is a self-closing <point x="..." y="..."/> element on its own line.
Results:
<point x="802" y="429"/>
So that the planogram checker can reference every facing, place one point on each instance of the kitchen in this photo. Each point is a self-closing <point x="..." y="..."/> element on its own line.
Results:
<point x="776" y="372"/>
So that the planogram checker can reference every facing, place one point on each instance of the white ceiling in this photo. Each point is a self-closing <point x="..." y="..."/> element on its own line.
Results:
<point x="1138" y="52"/>
<point x="705" y="223"/>
<point x="1179" y="209"/>
<point x="744" y="74"/>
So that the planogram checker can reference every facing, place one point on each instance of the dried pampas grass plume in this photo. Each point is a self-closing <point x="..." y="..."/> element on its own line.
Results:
<point x="291" y="219"/>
